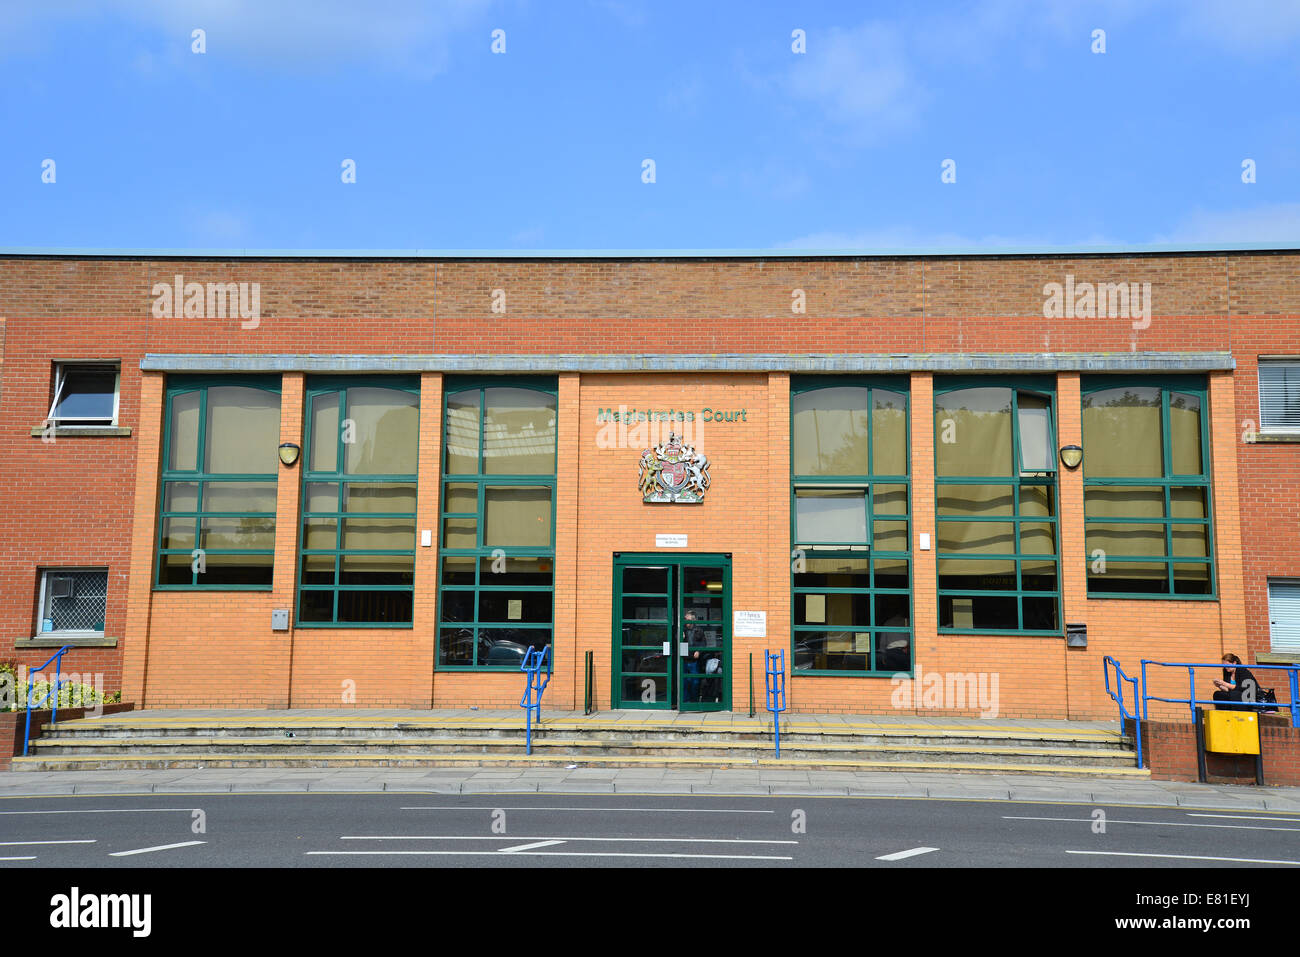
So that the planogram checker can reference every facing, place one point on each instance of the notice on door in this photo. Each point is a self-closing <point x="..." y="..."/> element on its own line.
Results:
<point x="670" y="541"/>
<point x="749" y="624"/>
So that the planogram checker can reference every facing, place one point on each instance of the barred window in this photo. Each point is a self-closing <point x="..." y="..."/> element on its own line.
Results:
<point x="73" y="600"/>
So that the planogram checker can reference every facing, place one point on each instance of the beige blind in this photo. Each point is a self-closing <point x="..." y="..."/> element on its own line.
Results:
<point x="462" y="433"/>
<point x="973" y="432"/>
<point x="386" y="439"/>
<point x="1185" y="433"/>
<point x="830" y="432"/>
<point x="185" y="431"/>
<point x="518" y="432"/>
<point x="1121" y="433"/>
<point x="889" y="433"/>
<point x="518" y="517"/>
<point x="325" y="432"/>
<point x="243" y="430"/>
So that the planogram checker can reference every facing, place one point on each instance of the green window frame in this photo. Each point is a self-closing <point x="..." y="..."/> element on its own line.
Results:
<point x="496" y="597"/>
<point x="1183" y="568"/>
<point x="198" y="505"/>
<point x="1027" y="512"/>
<point x="361" y="587"/>
<point x="844" y="566"/>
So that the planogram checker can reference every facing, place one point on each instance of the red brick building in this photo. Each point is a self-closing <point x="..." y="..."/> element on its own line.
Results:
<point x="670" y="461"/>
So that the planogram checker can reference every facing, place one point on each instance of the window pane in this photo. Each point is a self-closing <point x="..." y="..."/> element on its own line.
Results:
<point x="237" y="570"/>
<point x="891" y="573"/>
<point x="889" y="499"/>
<point x="239" y="497"/>
<point x="999" y="612"/>
<point x="377" y="607"/>
<point x="181" y="497"/>
<point x="517" y="517"/>
<point x="320" y="533"/>
<point x="983" y="575"/>
<point x="518" y="432"/>
<point x="893" y="651"/>
<point x="318" y="570"/>
<point x="973" y="432"/>
<point x="978" y="500"/>
<point x="175" y="569"/>
<point x="834" y="573"/>
<point x="503" y="570"/>
<point x="1036" y="452"/>
<point x="1039" y="614"/>
<point x="460" y="533"/>
<point x="243" y="430"/>
<point x="1037" y="501"/>
<point x="324" y="432"/>
<point x="461" y="498"/>
<point x="1187" y="502"/>
<point x="888" y="433"/>
<point x="1136" y="577"/>
<point x="1127" y="501"/>
<point x="87" y="394"/>
<point x="1038" y="576"/>
<point x="457" y="606"/>
<point x="892" y="611"/>
<point x="458" y="570"/>
<point x="890" y="537"/>
<point x="376" y="569"/>
<point x="393" y="533"/>
<point x="236" y="533"/>
<point x="1124" y="539"/>
<point x="379" y="497"/>
<point x="1185" y="433"/>
<point x="322" y="497"/>
<point x="831" y="515"/>
<point x="456" y="646"/>
<point x="1191" y="541"/>
<point x="1121" y="433"/>
<point x="81" y="604"/>
<point x="386" y="432"/>
<point x="837" y="610"/>
<point x="316" y="606"/>
<point x="183" y="432"/>
<point x="977" y="537"/>
<point x="830" y="432"/>
<point x="530" y="607"/>
<point x="1037" y="538"/>
<point x="507" y="646"/>
<point x="832" y="650"/>
<point x="462" y="433"/>
<point x="178" y="533"/>
<point x="1192" y="579"/>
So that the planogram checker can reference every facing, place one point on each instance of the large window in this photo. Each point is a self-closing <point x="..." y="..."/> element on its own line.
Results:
<point x="850" y="527"/>
<point x="497" y="578"/>
<point x="217" y="516"/>
<point x="995" y="508"/>
<point x="1147" y="487"/>
<point x="358" y="513"/>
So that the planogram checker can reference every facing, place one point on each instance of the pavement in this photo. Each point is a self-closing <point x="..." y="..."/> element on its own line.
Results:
<point x="647" y="780"/>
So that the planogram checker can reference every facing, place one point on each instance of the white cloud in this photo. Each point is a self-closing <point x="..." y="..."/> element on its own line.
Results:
<point x="405" y="36"/>
<point x="1274" y="223"/>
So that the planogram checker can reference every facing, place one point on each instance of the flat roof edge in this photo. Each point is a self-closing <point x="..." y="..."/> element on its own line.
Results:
<point x="977" y="362"/>
<point x="22" y="252"/>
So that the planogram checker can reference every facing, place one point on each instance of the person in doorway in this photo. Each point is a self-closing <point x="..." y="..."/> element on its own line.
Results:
<point x="691" y="666"/>
<point x="1237" y="684"/>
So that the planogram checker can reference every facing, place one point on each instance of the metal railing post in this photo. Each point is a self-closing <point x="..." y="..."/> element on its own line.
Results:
<point x="751" y="684"/>
<point x="774" y="668"/>
<point x="57" y="659"/>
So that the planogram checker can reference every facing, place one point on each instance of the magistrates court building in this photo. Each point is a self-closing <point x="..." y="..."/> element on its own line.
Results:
<point x="322" y="480"/>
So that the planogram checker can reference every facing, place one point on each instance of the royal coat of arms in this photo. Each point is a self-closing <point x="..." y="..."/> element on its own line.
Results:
<point x="673" y="472"/>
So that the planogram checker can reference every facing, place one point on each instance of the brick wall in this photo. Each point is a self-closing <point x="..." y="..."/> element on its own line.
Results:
<point x="1170" y="752"/>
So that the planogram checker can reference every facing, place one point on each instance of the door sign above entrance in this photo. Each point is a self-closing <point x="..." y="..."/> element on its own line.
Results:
<point x="673" y="472"/>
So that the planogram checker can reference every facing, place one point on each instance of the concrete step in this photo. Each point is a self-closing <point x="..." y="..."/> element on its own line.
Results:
<point x="578" y="748"/>
<point x="334" y="759"/>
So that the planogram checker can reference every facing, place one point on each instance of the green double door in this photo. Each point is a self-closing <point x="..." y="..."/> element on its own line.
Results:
<point x="672" y="632"/>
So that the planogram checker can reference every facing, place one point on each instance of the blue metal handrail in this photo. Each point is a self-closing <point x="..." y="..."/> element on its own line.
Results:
<point x="1293" y="681"/>
<point x="53" y="689"/>
<point x="532" y="666"/>
<point x="775" y="682"/>
<point x="1118" y="696"/>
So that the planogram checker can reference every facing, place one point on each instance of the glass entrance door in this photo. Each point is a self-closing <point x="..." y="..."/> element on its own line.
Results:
<point x="672" y="638"/>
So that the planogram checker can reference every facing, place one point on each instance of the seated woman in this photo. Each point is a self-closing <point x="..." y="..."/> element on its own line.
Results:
<point x="1238" y="684"/>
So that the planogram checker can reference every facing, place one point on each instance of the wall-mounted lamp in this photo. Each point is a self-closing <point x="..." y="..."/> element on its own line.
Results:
<point x="1071" y="456"/>
<point x="289" y="453"/>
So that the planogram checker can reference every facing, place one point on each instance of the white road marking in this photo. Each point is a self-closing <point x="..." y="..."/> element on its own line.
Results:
<point x="666" y="810"/>
<point x="1111" y="820"/>
<point x="707" y="857"/>
<point x="1244" y="817"/>
<point x="1186" y="857"/>
<point x="160" y="847"/>
<point x="512" y="837"/>
<point x="28" y="843"/>
<point x="528" y="847"/>
<point x="110" y="810"/>
<point x="17" y="858"/>
<point x="903" y="855"/>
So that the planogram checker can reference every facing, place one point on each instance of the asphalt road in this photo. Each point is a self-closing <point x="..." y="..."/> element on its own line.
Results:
<point x="394" y="829"/>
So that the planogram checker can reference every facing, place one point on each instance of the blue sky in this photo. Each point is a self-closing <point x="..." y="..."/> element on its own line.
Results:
<point x="542" y="147"/>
